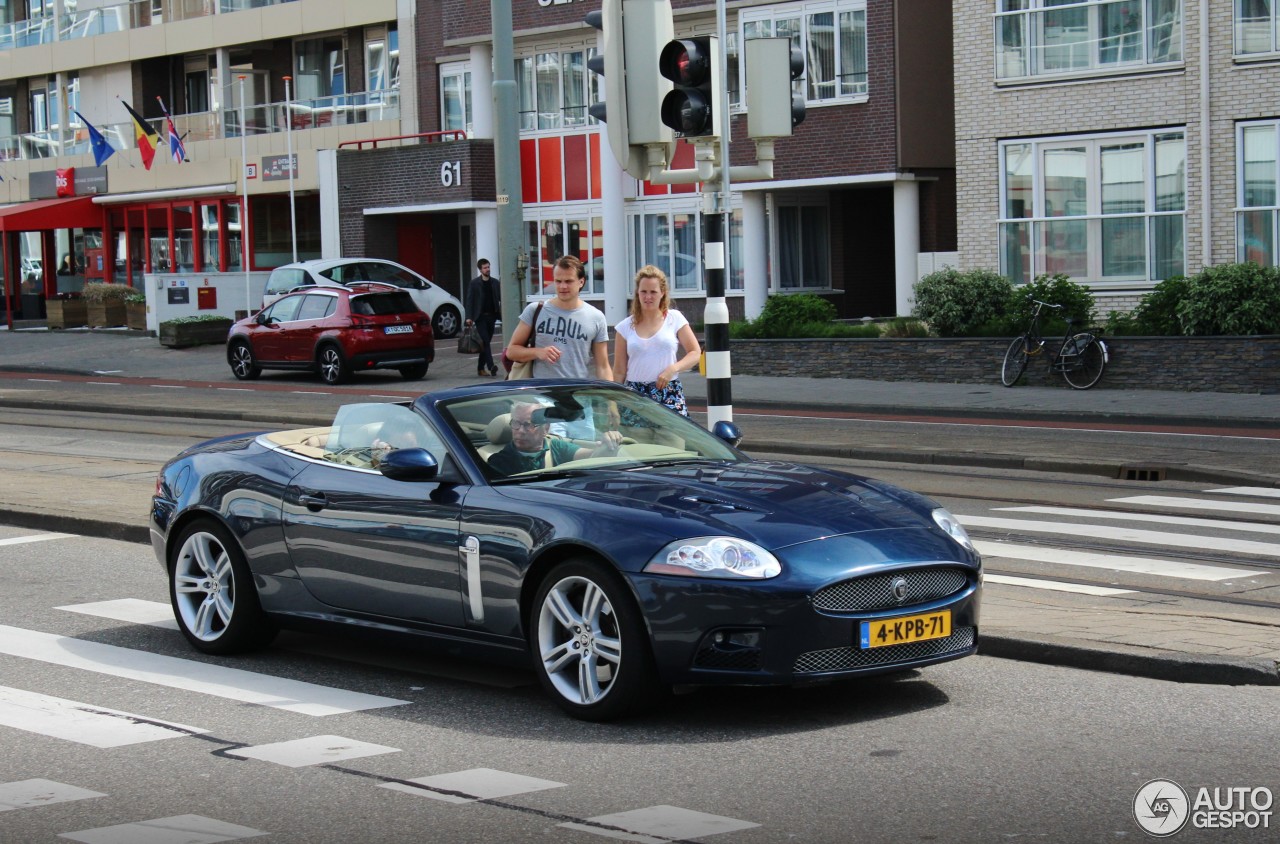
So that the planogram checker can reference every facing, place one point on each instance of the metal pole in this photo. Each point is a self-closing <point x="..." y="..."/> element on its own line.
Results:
<point x="288" y="133"/>
<point x="244" y="202"/>
<point x="715" y="318"/>
<point x="506" y="153"/>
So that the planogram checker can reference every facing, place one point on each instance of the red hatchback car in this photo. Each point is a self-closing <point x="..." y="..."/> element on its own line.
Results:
<point x="334" y="331"/>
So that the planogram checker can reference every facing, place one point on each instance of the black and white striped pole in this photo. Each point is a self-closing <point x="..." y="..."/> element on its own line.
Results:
<point x="715" y="320"/>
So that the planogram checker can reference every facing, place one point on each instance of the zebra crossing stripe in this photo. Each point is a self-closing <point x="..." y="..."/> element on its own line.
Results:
<point x="82" y="723"/>
<point x="26" y="794"/>
<point x="1259" y="491"/>
<point x="1147" y="537"/>
<point x="132" y="610"/>
<point x="179" y="829"/>
<point x="1055" y="585"/>
<point x="1200" y="504"/>
<point x="1111" y="562"/>
<point x="1248" y="527"/>
<point x="172" y="672"/>
<point x="37" y="537"/>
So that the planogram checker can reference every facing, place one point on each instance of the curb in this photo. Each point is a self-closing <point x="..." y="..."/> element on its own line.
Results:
<point x="1134" y="662"/>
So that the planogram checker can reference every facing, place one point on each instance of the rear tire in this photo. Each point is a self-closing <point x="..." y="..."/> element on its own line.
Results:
<point x="414" y="373"/>
<point x="446" y="322"/>
<point x="332" y="365"/>
<point x="212" y="592"/>
<point x="1087" y="368"/>
<point x="589" y="646"/>
<point x="243" y="365"/>
<point x="1015" y="361"/>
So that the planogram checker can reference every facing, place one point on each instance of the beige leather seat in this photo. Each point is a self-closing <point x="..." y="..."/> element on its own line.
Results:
<point x="498" y="433"/>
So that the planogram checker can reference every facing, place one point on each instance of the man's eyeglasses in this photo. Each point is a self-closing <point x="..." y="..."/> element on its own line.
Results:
<point x="516" y="423"/>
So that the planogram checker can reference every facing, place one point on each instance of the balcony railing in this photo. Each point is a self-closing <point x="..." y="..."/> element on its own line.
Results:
<point x="1085" y="37"/>
<point x="119" y="17"/>
<point x="363" y="107"/>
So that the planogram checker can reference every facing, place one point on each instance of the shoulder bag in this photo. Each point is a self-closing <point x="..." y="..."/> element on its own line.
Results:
<point x="520" y="369"/>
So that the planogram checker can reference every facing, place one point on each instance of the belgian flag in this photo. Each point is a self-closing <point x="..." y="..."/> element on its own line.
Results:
<point x="148" y="138"/>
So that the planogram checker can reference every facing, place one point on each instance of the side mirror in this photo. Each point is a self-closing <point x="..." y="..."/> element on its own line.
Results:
<point x="728" y="432"/>
<point x="409" y="464"/>
<point x="262" y="318"/>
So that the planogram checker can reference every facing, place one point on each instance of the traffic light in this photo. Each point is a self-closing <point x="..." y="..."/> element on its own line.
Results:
<point x="693" y="65"/>
<point x="772" y="65"/>
<point x="626" y="56"/>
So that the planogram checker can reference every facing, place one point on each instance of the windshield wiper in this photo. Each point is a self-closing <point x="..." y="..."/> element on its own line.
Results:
<point x="674" y="461"/>
<point x="545" y="475"/>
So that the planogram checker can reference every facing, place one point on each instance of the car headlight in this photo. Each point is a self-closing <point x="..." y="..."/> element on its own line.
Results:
<point x="715" y="556"/>
<point x="954" y="529"/>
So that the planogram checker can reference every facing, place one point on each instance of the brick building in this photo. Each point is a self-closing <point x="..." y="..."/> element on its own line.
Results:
<point x="1119" y="142"/>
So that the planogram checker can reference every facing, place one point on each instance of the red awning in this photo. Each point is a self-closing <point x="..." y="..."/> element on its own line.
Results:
<point x="77" y="212"/>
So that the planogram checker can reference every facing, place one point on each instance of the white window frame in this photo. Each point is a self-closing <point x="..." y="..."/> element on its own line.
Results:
<point x="1092" y="216"/>
<point x="1159" y="43"/>
<point x="804" y="12"/>
<point x="554" y="120"/>
<point x="458" y="75"/>
<point x="1254" y="38"/>
<point x="1272" y="211"/>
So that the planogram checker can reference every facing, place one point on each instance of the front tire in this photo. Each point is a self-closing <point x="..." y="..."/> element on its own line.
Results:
<point x="332" y="365"/>
<point x="212" y="593"/>
<point x="1015" y="361"/>
<point x="446" y="322"/>
<point x="1087" y="369"/>
<point x="243" y="365"/>
<point x="590" y="648"/>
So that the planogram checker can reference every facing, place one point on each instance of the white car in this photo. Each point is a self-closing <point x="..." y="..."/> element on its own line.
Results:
<point x="446" y="311"/>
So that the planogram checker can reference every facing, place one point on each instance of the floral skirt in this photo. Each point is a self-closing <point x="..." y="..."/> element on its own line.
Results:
<point x="671" y="395"/>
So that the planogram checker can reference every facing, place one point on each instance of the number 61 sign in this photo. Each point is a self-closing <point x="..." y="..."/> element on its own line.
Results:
<point x="451" y="173"/>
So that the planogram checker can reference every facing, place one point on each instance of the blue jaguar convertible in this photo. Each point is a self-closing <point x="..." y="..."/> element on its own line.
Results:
<point x="574" y="526"/>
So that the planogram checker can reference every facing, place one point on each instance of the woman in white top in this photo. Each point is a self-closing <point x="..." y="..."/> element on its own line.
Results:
<point x="647" y="342"/>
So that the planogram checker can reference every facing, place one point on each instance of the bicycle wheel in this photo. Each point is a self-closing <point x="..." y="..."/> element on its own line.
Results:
<point x="1091" y="359"/>
<point x="1015" y="361"/>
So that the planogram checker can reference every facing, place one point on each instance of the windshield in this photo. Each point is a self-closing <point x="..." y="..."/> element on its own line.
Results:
<point x="533" y="431"/>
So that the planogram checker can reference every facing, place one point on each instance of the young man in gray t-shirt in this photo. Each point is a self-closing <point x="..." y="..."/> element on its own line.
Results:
<point x="571" y="333"/>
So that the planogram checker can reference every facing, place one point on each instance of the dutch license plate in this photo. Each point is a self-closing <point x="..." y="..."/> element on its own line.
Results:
<point x="905" y="629"/>
<point x="399" y="329"/>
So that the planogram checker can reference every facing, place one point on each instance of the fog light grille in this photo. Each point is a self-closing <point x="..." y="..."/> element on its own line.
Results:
<point x="876" y="591"/>
<point x="841" y="659"/>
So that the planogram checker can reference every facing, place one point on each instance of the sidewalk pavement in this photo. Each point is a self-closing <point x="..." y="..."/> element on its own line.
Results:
<point x="1183" y="640"/>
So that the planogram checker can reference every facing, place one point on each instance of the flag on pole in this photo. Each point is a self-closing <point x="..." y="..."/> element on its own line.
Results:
<point x="176" y="150"/>
<point x="101" y="149"/>
<point x="148" y="138"/>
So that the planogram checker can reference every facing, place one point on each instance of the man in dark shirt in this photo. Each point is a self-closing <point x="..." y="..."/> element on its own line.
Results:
<point x="484" y="307"/>
<point x="530" y="447"/>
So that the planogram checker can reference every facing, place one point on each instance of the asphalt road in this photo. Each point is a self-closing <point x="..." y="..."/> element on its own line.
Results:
<point x="979" y="750"/>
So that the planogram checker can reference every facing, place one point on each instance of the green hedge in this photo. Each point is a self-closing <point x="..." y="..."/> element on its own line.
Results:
<point x="1226" y="300"/>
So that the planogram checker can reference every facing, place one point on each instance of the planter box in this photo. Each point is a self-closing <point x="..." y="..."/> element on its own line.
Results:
<point x="135" y="314"/>
<point x="183" y="334"/>
<point x="106" y="314"/>
<point x="66" y="313"/>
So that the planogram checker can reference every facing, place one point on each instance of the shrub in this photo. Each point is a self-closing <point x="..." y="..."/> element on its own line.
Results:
<point x="135" y="296"/>
<point x="1157" y="313"/>
<point x="201" y="318"/>
<point x="1231" y="299"/>
<point x="1075" y="299"/>
<point x="904" y="327"/>
<point x="796" y="315"/>
<point x="97" y="291"/>
<point x="957" y="304"/>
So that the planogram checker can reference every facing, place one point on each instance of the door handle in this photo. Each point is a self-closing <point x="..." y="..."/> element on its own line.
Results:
<point x="313" y="502"/>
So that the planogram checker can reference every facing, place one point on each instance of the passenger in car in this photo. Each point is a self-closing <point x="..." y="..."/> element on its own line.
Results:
<point x="530" y="448"/>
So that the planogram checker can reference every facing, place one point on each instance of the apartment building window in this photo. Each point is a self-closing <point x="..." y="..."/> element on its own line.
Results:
<point x="455" y="97"/>
<point x="321" y="68"/>
<point x="1257" y="204"/>
<point x="803" y="245"/>
<point x="1106" y="210"/>
<point x="580" y="234"/>
<point x="1064" y="37"/>
<point x="555" y="89"/>
<point x="831" y="35"/>
<point x="382" y="58"/>
<point x="1255" y="27"/>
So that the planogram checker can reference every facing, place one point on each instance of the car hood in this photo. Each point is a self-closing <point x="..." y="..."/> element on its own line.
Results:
<point x="775" y="504"/>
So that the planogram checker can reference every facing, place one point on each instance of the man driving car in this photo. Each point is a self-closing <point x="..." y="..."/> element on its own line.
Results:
<point x="530" y="448"/>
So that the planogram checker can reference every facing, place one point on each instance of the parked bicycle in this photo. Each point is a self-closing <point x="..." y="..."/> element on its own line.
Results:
<point x="1080" y="358"/>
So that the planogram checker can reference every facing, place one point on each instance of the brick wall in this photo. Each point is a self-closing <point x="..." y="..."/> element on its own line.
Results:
<point x="1217" y="364"/>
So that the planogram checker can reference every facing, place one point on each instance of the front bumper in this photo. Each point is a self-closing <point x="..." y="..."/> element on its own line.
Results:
<point x="715" y="632"/>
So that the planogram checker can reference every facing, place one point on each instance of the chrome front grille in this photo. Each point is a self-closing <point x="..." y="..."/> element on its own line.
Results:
<point x="875" y="592"/>
<point x="842" y="659"/>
